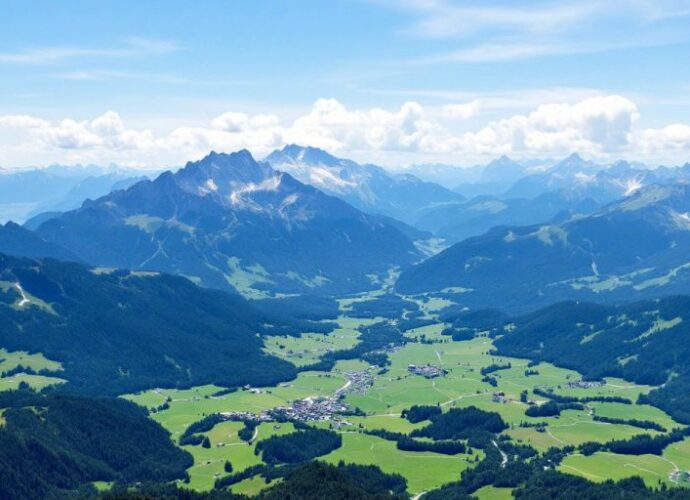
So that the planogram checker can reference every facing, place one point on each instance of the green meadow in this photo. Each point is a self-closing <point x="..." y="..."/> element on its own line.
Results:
<point x="226" y="445"/>
<point x="10" y="360"/>
<point x="423" y="470"/>
<point x="602" y="466"/>
<point x="395" y="389"/>
<point x="493" y="493"/>
<point x="309" y="347"/>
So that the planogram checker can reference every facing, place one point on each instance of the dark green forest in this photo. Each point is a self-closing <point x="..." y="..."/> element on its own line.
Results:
<point x="117" y="332"/>
<point x="644" y="342"/>
<point x="55" y="444"/>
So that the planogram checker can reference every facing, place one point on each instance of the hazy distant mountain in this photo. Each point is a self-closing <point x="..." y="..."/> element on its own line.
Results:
<point x="367" y="187"/>
<point x="636" y="247"/>
<point x="26" y="193"/>
<point x="89" y="188"/>
<point x="20" y="242"/>
<point x="448" y="176"/>
<point x="458" y="221"/>
<point x="496" y="177"/>
<point x="585" y="179"/>
<point x="228" y="221"/>
<point x="571" y="186"/>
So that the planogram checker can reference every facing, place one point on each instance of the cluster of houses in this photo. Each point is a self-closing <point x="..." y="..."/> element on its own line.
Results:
<point x="427" y="371"/>
<point x="312" y="408"/>
<point x="358" y="382"/>
<point x="584" y="384"/>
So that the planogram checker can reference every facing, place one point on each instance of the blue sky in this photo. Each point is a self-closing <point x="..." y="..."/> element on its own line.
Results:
<point x="157" y="83"/>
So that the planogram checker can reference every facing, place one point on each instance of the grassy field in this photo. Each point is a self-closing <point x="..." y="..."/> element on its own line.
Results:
<point x="429" y="332"/>
<point x="190" y="405"/>
<point x="492" y="493"/>
<point x="21" y="294"/>
<point x="679" y="454"/>
<point x="10" y="360"/>
<point x="396" y="389"/>
<point x="252" y="486"/>
<point x="309" y="347"/>
<point x="424" y="471"/>
<point x="642" y="412"/>
<point x="602" y="466"/>
<point x="38" y="382"/>
<point x="226" y="445"/>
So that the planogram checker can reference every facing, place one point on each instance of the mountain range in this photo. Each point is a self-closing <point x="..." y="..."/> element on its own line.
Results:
<point x="19" y="241"/>
<point x="368" y="187"/>
<point x="458" y="221"/>
<point x="635" y="247"/>
<point x="27" y="193"/>
<point x="542" y="194"/>
<point x="230" y="222"/>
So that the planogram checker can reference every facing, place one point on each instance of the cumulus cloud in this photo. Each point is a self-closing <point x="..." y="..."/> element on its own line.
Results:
<point x="601" y="126"/>
<point x="594" y="126"/>
<point x="330" y="124"/>
<point x="463" y="111"/>
<point x="239" y="122"/>
<point x="673" y="137"/>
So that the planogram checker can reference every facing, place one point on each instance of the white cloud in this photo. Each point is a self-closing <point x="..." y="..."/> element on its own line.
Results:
<point x="445" y="19"/>
<point x="459" y="18"/>
<point x="494" y="31"/>
<point x="239" y="122"/>
<point x="594" y="126"/>
<point x="22" y="121"/>
<point x="669" y="138"/>
<point x="133" y="47"/>
<point x="463" y="111"/>
<point x="598" y="126"/>
<point x="330" y="124"/>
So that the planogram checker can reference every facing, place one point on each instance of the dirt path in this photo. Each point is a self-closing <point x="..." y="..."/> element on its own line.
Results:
<point x="504" y="457"/>
<point x="24" y="300"/>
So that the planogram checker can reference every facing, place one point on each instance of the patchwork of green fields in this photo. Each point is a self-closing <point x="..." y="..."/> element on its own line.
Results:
<point x="36" y="362"/>
<point x="309" y="347"/>
<point x="395" y="389"/>
<point x="602" y="466"/>
<point x="226" y="445"/>
<point x="424" y="471"/>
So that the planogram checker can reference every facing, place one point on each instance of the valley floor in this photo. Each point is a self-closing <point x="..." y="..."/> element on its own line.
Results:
<point x="395" y="389"/>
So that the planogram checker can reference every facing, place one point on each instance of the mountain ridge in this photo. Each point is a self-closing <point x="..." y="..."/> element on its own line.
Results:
<point x="633" y="248"/>
<point x="368" y="187"/>
<point x="227" y="220"/>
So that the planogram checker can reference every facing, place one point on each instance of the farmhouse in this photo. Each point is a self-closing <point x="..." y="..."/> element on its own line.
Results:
<point x="427" y="371"/>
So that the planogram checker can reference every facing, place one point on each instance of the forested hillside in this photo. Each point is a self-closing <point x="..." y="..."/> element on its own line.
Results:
<point x="634" y="248"/>
<point x="645" y="342"/>
<point x="117" y="332"/>
<point x="52" y="446"/>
